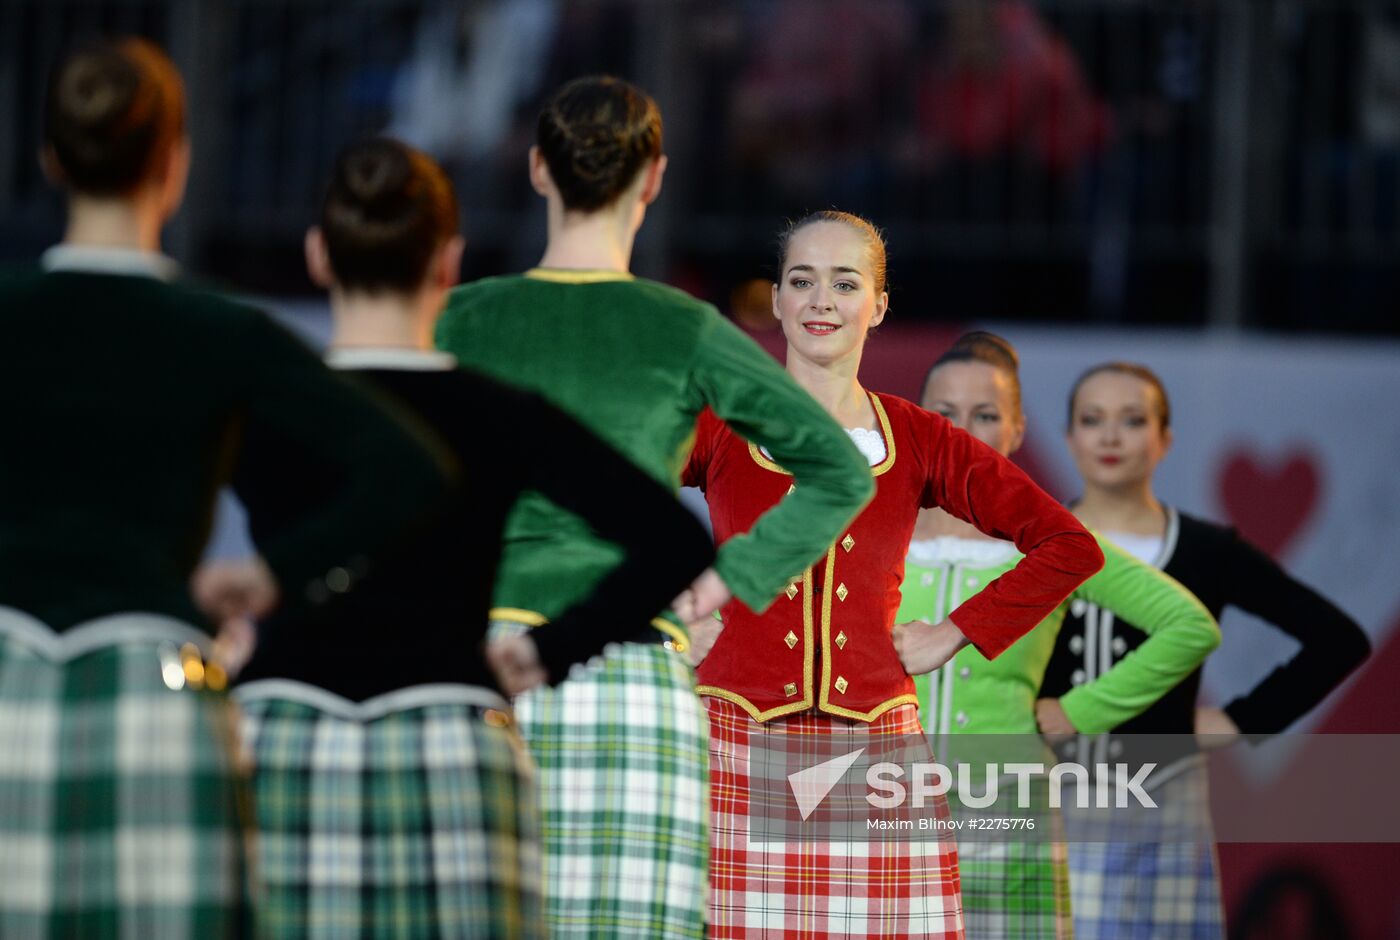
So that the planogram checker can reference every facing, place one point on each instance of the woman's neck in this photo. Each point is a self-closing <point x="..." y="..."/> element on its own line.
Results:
<point x="836" y="388"/>
<point x="600" y="241"/>
<point x="130" y="223"/>
<point x="1133" y="510"/>
<point x="381" y="320"/>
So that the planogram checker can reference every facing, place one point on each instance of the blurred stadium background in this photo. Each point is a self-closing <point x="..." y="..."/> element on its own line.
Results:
<point x="1210" y="187"/>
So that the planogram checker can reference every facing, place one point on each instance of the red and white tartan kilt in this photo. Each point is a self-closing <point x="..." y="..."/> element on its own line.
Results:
<point x="797" y="890"/>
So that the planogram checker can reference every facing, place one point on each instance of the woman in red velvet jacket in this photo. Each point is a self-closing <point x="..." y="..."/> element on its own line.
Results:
<point x="826" y="657"/>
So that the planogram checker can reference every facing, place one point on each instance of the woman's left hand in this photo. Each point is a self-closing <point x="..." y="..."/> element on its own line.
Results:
<point x="703" y="634"/>
<point x="924" y="647"/>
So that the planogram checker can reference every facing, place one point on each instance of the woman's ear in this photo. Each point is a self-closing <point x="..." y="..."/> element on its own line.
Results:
<point x="175" y="175"/>
<point x="651" y="187"/>
<point x="449" y="263"/>
<point x="882" y="305"/>
<point x="1018" y="433"/>
<point x="318" y="259"/>
<point x="540" y="177"/>
<point x="50" y="167"/>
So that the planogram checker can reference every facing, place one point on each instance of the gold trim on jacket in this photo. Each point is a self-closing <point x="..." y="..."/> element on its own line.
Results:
<point x="680" y="641"/>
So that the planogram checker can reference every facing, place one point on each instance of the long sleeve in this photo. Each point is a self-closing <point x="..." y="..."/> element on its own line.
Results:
<point x="760" y="402"/>
<point x="973" y="482"/>
<point x="664" y="546"/>
<point x="1181" y="633"/>
<point x="1332" y="644"/>
<point x="380" y="475"/>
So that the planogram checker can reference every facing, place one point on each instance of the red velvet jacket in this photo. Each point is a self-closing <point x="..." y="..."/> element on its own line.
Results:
<point x="826" y="644"/>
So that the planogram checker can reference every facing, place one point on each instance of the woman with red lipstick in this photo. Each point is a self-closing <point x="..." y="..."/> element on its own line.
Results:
<point x="1119" y="431"/>
<point x="827" y="657"/>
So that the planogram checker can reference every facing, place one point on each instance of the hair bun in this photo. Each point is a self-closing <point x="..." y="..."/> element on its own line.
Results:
<point x="599" y="152"/>
<point x="596" y="134"/>
<point x="96" y="90"/>
<point x="376" y="174"/>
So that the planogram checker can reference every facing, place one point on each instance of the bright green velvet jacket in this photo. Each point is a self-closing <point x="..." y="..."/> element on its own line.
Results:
<point x="972" y="694"/>
<point x="636" y="362"/>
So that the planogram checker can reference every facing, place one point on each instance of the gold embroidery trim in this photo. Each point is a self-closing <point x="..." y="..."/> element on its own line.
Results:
<point x="808" y="667"/>
<point x="577" y="275"/>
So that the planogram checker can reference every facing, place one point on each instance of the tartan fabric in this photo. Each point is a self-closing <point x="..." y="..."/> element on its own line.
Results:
<point x="1010" y="889"/>
<point x="119" y="804"/>
<point x="621" y="750"/>
<point x="1127" y="885"/>
<point x="799" y="890"/>
<point x="419" y="823"/>
<point x="1013" y="890"/>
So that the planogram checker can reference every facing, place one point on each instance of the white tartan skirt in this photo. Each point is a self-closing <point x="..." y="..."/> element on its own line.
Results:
<point x="622" y="754"/>
<point x="411" y="815"/>
<point x="119" y="802"/>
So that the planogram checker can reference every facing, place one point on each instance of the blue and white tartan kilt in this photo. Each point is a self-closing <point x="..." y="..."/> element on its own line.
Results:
<point x="1129" y="883"/>
<point x="119" y="799"/>
<point x="623" y="755"/>
<point x="408" y="816"/>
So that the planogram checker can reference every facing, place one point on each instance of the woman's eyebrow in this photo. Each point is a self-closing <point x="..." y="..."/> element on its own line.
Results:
<point x="839" y="269"/>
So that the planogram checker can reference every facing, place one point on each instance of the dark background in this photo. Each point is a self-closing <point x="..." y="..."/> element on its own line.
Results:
<point x="1105" y="161"/>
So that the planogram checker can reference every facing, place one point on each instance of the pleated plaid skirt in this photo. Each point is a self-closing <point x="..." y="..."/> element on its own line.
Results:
<point x="623" y="779"/>
<point x="119" y="802"/>
<point x="1129" y="881"/>
<point x="1014" y="890"/>
<point x="798" y="890"/>
<point x="409" y="816"/>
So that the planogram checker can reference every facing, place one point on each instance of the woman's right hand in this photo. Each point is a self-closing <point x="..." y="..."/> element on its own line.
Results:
<point x="706" y="594"/>
<point x="515" y="661"/>
<point x="231" y="590"/>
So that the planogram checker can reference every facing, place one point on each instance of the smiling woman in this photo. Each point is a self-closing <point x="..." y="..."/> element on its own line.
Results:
<point x="831" y="283"/>
<point x="827" y="658"/>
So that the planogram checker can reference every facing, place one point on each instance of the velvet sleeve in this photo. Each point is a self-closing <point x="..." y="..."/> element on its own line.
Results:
<point x="1181" y="633"/>
<point x="664" y="546"/>
<point x="968" y="479"/>
<point x="749" y="391"/>
<point x="1331" y="643"/>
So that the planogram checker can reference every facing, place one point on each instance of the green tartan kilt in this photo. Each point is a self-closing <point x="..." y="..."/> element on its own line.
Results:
<point x="119" y="802"/>
<point x="418" y="823"/>
<point x="622" y="747"/>
<point x="1012" y="890"/>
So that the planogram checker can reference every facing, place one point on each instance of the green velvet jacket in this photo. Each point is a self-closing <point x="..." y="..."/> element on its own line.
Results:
<point x="972" y="694"/>
<point x="636" y="361"/>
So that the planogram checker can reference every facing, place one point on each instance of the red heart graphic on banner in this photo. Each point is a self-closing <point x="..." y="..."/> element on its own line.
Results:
<point x="1269" y="504"/>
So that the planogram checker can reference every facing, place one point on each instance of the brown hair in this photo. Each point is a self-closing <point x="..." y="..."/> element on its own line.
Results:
<point x="1137" y="371"/>
<point x="989" y="348"/>
<point x="387" y="209"/>
<point x="596" y="134"/>
<point x="874" y="240"/>
<point x="113" y="109"/>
